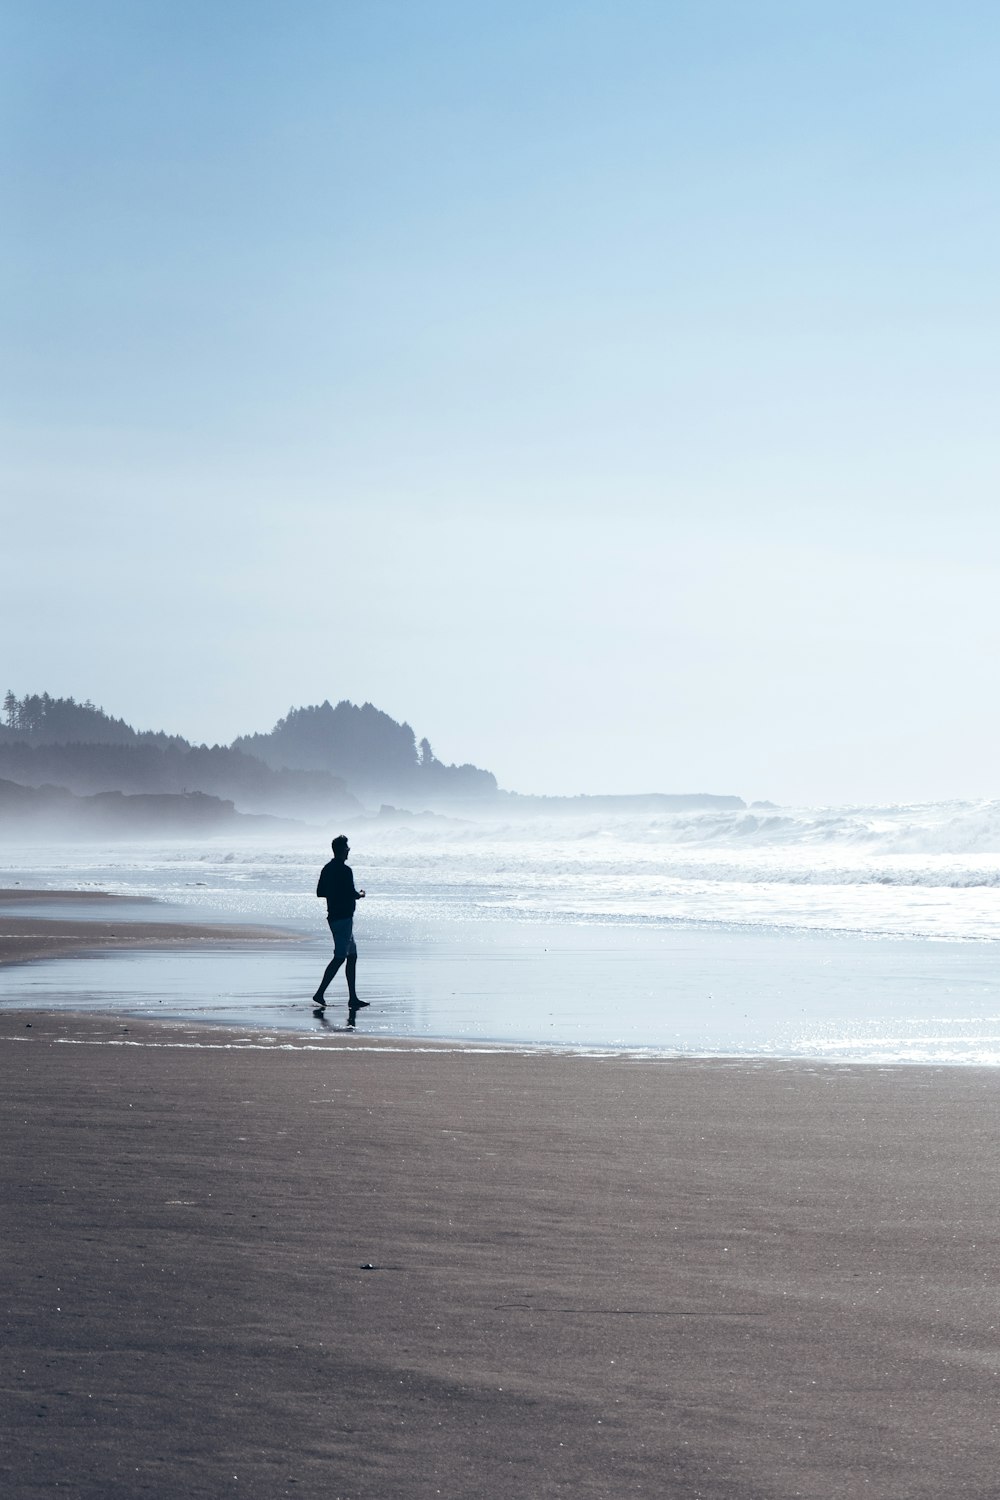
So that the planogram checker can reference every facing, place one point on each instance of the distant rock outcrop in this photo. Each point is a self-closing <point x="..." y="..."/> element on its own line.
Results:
<point x="176" y="768"/>
<point x="55" y="811"/>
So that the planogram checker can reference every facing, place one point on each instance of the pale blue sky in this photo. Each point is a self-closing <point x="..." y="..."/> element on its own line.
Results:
<point x="610" y="389"/>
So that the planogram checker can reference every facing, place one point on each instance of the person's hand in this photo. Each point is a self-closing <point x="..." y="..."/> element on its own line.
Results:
<point x="361" y="895"/>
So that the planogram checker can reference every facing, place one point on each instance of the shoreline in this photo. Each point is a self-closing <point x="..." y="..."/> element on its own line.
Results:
<point x="248" y="1033"/>
<point x="229" y="960"/>
<point x="34" y="939"/>
<point x="13" y="894"/>
<point x="343" y="1268"/>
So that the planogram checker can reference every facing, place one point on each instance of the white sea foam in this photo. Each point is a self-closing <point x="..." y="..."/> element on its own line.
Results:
<point x="930" y="871"/>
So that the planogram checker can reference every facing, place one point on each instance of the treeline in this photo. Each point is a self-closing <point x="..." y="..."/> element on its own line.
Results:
<point x="365" y="746"/>
<point x="313" y="761"/>
<point x="41" y="720"/>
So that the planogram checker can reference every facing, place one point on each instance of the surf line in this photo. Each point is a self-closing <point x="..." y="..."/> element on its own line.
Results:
<point x="75" y="1041"/>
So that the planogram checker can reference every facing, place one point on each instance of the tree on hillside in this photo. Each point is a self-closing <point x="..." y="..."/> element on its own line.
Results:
<point x="303" y="762"/>
<point x="365" y="746"/>
<point x="44" y="720"/>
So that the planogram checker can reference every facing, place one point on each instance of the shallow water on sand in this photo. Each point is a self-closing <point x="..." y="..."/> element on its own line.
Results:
<point x="689" y="991"/>
<point x="854" y="934"/>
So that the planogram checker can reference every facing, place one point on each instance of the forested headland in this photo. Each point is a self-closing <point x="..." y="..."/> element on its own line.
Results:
<point x="319" y="763"/>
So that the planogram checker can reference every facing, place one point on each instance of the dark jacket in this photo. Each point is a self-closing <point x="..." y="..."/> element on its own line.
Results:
<point x="336" y="885"/>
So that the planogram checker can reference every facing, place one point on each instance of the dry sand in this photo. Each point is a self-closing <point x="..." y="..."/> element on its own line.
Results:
<point x="332" y="1267"/>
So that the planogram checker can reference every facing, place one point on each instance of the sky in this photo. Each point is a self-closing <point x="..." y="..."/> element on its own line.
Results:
<point x="608" y="388"/>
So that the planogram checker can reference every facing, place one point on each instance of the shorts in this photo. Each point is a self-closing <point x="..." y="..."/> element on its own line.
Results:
<point x="344" y="945"/>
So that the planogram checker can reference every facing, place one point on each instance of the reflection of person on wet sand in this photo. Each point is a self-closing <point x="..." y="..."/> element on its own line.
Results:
<point x="336" y="887"/>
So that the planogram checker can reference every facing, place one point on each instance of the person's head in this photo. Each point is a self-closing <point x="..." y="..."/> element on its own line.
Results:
<point x="340" y="846"/>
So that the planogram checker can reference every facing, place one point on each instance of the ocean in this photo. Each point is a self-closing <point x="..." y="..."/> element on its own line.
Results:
<point x="861" y="934"/>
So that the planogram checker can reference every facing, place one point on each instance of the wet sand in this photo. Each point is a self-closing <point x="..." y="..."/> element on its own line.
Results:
<point x="332" y="1266"/>
<point x="25" y="939"/>
<point x="17" y="895"/>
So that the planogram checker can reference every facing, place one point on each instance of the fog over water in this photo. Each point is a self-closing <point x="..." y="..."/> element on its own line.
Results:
<point x="852" y="933"/>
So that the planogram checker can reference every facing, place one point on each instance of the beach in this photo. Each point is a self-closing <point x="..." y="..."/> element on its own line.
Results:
<point x="499" y="808"/>
<point x="626" y="939"/>
<point x="337" y="1266"/>
<point x="27" y="939"/>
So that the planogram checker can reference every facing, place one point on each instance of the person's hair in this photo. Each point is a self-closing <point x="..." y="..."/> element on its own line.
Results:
<point x="339" y="843"/>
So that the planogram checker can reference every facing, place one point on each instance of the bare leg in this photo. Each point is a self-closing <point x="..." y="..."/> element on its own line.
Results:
<point x="331" y="970"/>
<point x="352" y="986"/>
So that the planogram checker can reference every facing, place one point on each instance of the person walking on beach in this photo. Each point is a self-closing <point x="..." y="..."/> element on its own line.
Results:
<point x="336" y="887"/>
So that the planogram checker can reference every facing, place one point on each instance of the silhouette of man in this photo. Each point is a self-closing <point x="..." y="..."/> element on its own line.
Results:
<point x="336" y="887"/>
